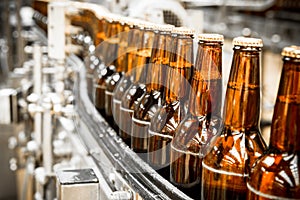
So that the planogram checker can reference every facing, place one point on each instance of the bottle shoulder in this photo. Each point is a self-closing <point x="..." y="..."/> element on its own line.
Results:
<point x="134" y="92"/>
<point x="276" y="175"/>
<point x="195" y="133"/>
<point x="167" y="118"/>
<point x="121" y="87"/>
<point x="104" y="73"/>
<point x="111" y="81"/>
<point x="147" y="105"/>
<point x="235" y="150"/>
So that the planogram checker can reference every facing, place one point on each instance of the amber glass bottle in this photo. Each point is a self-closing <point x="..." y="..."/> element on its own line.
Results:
<point x="140" y="60"/>
<point x="41" y="13"/>
<point x="108" y="50"/>
<point x="121" y="65"/>
<point x="102" y="26"/>
<point x="225" y="168"/>
<point x="94" y="62"/>
<point x="276" y="175"/>
<point x="167" y="118"/>
<point x="203" y="118"/>
<point x="86" y="19"/>
<point x="91" y="61"/>
<point x="150" y="102"/>
<point x="41" y="6"/>
<point x="134" y="39"/>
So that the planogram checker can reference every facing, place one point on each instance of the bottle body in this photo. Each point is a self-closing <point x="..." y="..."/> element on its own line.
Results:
<point x="121" y="62"/>
<point x="100" y="86"/>
<point x="123" y="85"/>
<point x="133" y="94"/>
<point x="225" y="169"/>
<point x="108" y="51"/>
<point x="129" y="99"/>
<point x="270" y="184"/>
<point x="144" y="110"/>
<point x="276" y="174"/>
<point x="111" y="83"/>
<point x="134" y="37"/>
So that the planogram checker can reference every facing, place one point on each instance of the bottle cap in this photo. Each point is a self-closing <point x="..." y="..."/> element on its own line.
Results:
<point x="291" y="51"/>
<point x="145" y="24"/>
<point x="247" y="42"/>
<point x="211" y="37"/>
<point x="150" y="25"/>
<point x="183" y="31"/>
<point x="112" y="17"/>
<point x="128" y="20"/>
<point x="137" y="22"/>
<point x="165" y="27"/>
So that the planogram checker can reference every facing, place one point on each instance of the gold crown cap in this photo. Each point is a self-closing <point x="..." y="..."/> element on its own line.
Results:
<point x="247" y="42"/>
<point x="165" y="27"/>
<point x="291" y="51"/>
<point x="146" y="25"/>
<point x="183" y="31"/>
<point x="211" y="37"/>
<point x="130" y="21"/>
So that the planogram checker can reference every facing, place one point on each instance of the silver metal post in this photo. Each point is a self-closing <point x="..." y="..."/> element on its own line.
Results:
<point x="47" y="149"/>
<point x="37" y="73"/>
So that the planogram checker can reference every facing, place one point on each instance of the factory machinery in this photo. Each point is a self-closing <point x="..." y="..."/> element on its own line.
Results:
<point x="60" y="146"/>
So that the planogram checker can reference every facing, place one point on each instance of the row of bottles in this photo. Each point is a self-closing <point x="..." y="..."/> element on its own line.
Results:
<point x="168" y="109"/>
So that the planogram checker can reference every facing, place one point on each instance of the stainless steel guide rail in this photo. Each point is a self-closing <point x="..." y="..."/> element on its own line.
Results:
<point x="139" y="175"/>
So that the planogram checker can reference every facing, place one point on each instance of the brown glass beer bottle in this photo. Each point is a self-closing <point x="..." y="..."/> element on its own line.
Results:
<point x="140" y="60"/>
<point x="134" y="39"/>
<point x="91" y="61"/>
<point x="121" y="65"/>
<point x="107" y="51"/>
<point x="41" y="12"/>
<point x="151" y="101"/>
<point x="167" y="118"/>
<point x="203" y="118"/>
<point x="225" y="168"/>
<point x="94" y="62"/>
<point x="276" y="174"/>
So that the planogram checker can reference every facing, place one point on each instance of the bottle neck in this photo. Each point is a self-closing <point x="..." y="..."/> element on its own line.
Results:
<point x="122" y="48"/>
<point x="101" y="31"/>
<point x="242" y="101"/>
<point x="206" y="95"/>
<point x="85" y="19"/>
<point x="180" y="70"/>
<point x="134" y="38"/>
<point x="112" y="41"/>
<point x="91" y="25"/>
<point x="160" y="56"/>
<point x="285" y="129"/>
<point x="143" y="56"/>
